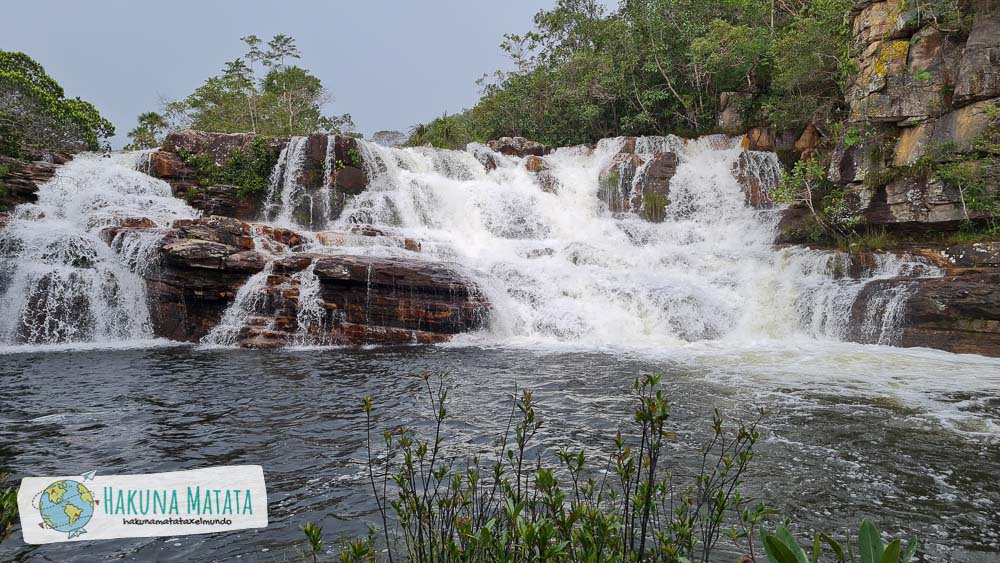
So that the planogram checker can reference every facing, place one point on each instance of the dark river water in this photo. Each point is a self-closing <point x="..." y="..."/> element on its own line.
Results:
<point x="909" y="438"/>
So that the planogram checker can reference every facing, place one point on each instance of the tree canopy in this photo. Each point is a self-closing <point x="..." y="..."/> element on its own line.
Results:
<point x="36" y="114"/>
<point x="260" y="92"/>
<point x="660" y="66"/>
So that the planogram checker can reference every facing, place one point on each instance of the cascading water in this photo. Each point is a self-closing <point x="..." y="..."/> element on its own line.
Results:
<point x="60" y="280"/>
<point x="561" y="266"/>
<point x="557" y="264"/>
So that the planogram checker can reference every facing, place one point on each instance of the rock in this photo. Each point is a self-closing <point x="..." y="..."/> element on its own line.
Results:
<point x="756" y="188"/>
<point x="169" y="166"/>
<point x="539" y="168"/>
<point x="218" y="146"/>
<point x="974" y="255"/>
<point x="875" y="20"/>
<point x="23" y="178"/>
<point x="759" y="139"/>
<point x="364" y="299"/>
<point x="518" y="146"/>
<point x="222" y="200"/>
<point x="730" y="121"/>
<point x="979" y="71"/>
<point x="853" y="163"/>
<point x="917" y="201"/>
<point x="956" y="129"/>
<point x="958" y="313"/>
<point x="807" y="143"/>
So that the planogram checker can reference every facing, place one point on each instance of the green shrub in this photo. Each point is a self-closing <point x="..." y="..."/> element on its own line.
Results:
<point x="8" y="506"/>
<point x="249" y="169"/>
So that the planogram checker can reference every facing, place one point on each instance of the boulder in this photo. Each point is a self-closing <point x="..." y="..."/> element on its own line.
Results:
<point x="539" y="168"/>
<point x="518" y="146"/>
<point x="979" y="70"/>
<point x="759" y="139"/>
<point x="730" y="120"/>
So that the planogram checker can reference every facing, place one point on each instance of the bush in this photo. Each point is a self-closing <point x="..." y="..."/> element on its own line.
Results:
<point x="35" y="114"/>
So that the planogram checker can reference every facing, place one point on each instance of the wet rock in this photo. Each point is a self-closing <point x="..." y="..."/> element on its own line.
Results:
<point x="958" y="313"/>
<point x="539" y="168"/>
<point x="518" y="146"/>
<point x="364" y="299"/>
<point x="23" y="178"/>
<point x="974" y="255"/>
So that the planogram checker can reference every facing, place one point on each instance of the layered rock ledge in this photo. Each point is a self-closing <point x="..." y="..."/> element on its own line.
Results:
<point x="202" y="264"/>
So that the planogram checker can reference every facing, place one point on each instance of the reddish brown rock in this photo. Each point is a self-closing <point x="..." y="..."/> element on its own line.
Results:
<point x="365" y="300"/>
<point x="23" y="178"/>
<point x="518" y="146"/>
<point x="759" y="139"/>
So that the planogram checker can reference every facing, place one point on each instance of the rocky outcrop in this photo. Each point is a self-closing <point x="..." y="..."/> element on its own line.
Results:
<point x="183" y="152"/>
<point x="203" y="263"/>
<point x="958" y="312"/>
<point x="638" y="182"/>
<point x="979" y="70"/>
<point x="518" y="146"/>
<point x="924" y="97"/>
<point x="20" y="179"/>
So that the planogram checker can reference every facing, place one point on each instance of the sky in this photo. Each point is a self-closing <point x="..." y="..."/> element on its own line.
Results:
<point x="390" y="64"/>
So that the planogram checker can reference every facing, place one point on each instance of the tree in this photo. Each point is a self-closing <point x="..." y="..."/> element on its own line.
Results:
<point x="260" y="92"/>
<point x="148" y="133"/>
<point x="35" y="114"/>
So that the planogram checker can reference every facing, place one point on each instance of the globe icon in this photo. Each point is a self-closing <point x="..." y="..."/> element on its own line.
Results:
<point x="66" y="506"/>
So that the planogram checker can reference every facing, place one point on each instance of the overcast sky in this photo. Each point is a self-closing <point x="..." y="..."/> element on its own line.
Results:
<point x="390" y="64"/>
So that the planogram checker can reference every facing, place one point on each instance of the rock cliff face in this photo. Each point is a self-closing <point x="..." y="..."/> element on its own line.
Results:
<point x="204" y="263"/>
<point x="925" y="95"/>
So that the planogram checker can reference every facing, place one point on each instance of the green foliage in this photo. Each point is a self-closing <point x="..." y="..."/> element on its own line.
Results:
<point x="148" y="134"/>
<point x="260" y="93"/>
<point x="782" y="547"/>
<point x="654" y="206"/>
<point x="518" y="507"/>
<point x="35" y="114"/>
<point x="658" y="66"/>
<point x="8" y="506"/>
<point x="314" y="534"/>
<point x="447" y="132"/>
<point x="249" y="169"/>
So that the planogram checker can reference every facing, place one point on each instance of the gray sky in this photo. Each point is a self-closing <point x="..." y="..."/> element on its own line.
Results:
<point x="389" y="64"/>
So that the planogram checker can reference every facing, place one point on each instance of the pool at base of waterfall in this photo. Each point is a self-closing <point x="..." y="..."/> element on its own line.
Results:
<point x="908" y="437"/>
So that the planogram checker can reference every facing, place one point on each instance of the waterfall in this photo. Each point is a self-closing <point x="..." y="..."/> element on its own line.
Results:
<point x="561" y="266"/>
<point x="285" y="190"/>
<point x="556" y="262"/>
<point x="60" y="281"/>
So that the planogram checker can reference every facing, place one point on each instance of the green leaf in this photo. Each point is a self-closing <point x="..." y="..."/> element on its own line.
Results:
<point x="815" y="558"/>
<point x="777" y="551"/>
<point x="911" y="548"/>
<point x="869" y="542"/>
<point x="792" y="544"/>
<point x="891" y="553"/>
<point x="839" y="551"/>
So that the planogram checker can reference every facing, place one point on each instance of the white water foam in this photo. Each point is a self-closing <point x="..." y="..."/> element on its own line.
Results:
<point x="60" y="282"/>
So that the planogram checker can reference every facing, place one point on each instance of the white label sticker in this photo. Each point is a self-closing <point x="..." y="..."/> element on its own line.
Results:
<point x="98" y="507"/>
